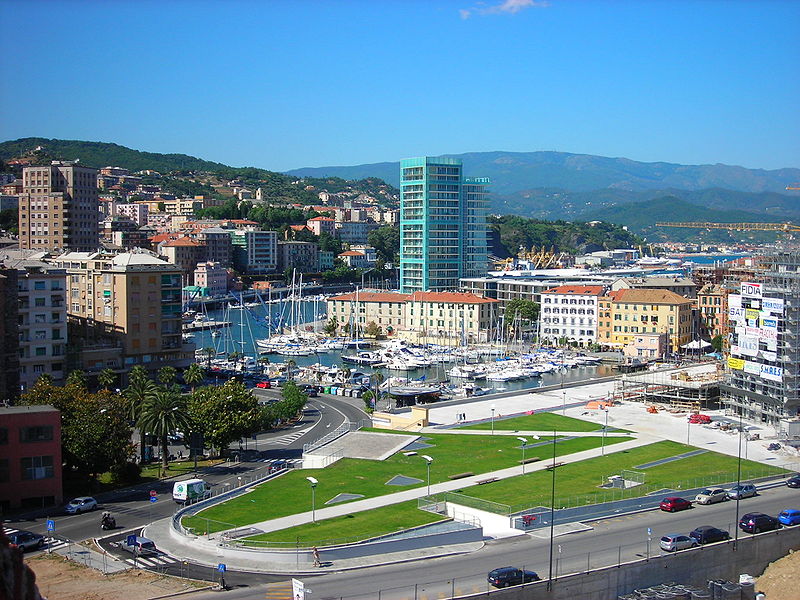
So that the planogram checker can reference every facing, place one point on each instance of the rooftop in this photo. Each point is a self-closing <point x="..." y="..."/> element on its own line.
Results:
<point x="451" y="298"/>
<point x="585" y="290"/>
<point x="28" y="408"/>
<point x="649" y="296"/>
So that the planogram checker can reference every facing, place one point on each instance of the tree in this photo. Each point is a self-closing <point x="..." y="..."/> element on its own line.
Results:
<point x="139" y="392"/>
<point x="193" y="375"/>
<point x="138" y="373"/>
<point x="373" y="330"/>
<point x="163" y="414"/>
<point x="77" y="379"/>
<point x="369" y="404"/>
<point x="224" y="414"/>
<point x="717" y="342"/>
<point x="107" y="378"/>
<point x="167" y="375"/>
<point x="386" y="241"/>
<point x="331" y="326"/>
<point x="526" y="309"/>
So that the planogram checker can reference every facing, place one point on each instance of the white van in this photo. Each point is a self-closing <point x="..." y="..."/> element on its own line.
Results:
<point x="190" y="490"/>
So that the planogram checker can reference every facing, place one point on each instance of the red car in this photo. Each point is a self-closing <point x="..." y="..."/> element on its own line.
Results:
<point x="264" y="385"/>
<point x="674" y="503"/>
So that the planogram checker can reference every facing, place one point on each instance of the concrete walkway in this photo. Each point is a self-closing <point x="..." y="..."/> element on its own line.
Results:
<point x="207" y="550"/>
<point x="523" y="433"/>
<point x="102" y="561"/>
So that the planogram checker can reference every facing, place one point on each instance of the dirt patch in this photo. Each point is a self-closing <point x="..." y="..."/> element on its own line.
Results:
<point x="779" y="581"/>
<point x="61" y="579"/>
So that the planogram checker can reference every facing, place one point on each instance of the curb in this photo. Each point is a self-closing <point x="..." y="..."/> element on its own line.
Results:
<point x="184" y="593"/>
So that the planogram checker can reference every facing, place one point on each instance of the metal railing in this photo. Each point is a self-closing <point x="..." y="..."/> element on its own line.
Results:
<point x="344" y="428"/>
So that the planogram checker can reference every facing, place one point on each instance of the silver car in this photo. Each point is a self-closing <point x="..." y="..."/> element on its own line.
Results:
<point x="711" y="496"/>
<point x="745" y="490"/>
<point x="27" y="540"/>
<point x="80" y="505"/>
<point x="676" y="541"/>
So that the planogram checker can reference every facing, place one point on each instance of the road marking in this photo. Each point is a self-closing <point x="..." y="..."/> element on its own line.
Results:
<point x="279" y="591"/>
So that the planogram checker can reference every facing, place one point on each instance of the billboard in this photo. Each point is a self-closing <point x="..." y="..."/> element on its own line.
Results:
<point x="751" y="290"/>
<point x="772" y="305"/>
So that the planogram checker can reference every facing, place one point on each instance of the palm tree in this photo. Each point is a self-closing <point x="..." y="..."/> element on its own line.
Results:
<point x="167" y="375"/>
<point x="290" y="365"/>
<point x="193" y="375"/>
<point x="209" y="354"/>
<point x="138" y="394"/>
<point x="77" y="378"/>
<point x="107" y="378"/>
<point x="164" y="413"/>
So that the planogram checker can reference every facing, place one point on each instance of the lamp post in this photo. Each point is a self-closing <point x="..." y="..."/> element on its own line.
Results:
<point x="738" y="481"/>
<point x="313" y="483"/>
<point x="524" y="443"/>
<point x="492" y="419"/>
<point x="605" y="427"/>
<point x="428" y="461"/>
<point x="563" y="391"/>
<point x="552" y="514"/>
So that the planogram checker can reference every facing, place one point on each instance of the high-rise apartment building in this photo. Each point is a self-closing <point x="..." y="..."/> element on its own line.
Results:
<point x="9" y="336"/>
<point x="59" y="208"/>
<point x="764" y="379"/>
<point x="255" y="252"/>
<point x="442" y="224"/>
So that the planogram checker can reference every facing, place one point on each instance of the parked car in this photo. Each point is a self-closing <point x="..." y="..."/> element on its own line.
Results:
<point x="141" y="546"/>
<point x="758" y="522"/>
<point x="744" y="490"/>
<point x="706" y="534"/>
<point x="277" y="381"/>
<point x="673" y="542"/>
<point x="790" y="516"/>
<point x="711" y="496"/>
<point x="27" y="540"/>
<point x="264" y="385"/>
<point x="794" y="481"/>
<point x="506" y="576"/>
<point x="674" y="503"/>
<point x="80" y="505"/>
<point x="311" y="391"/>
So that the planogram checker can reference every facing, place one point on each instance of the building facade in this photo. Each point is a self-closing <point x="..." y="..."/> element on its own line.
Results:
<point x="649" y="311"/>
<point x="303" y="256"/>
<point x="440" y="214"/>
<point x="764" y="379"/>
<point x="30" y="457"/>
<point x="58" y="208"/>
<point x="712" y="302"/>
<point x="570" y="312"/>
<point x="255" y="252"/>
<point x="9" y="336"/>
<point x="212" y="278"/>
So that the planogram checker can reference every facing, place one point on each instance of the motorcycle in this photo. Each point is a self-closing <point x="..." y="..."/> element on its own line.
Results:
<point x="108" y="522"/>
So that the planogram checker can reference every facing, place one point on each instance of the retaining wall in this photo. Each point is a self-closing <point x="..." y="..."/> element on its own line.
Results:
<point x="691" y="567"/>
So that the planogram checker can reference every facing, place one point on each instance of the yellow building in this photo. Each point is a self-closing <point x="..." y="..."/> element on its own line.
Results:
<point x="635" y="311"/>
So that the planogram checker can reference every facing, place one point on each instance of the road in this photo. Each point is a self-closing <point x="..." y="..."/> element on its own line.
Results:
<point x="132" y="507"/>
<point x="463" y="574"/>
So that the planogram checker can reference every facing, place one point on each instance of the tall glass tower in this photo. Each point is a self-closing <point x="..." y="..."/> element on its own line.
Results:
<point x="442" y="224"/>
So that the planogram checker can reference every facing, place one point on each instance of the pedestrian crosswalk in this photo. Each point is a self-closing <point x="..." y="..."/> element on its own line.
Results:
<point x="292" y="462"/>
<point x="279" y="591"/>
<point x="50" y="542"/>
<point x="287" y="439"/>
<point x="152" y="561"/>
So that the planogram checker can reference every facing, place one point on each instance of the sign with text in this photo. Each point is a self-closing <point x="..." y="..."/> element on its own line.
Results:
<point x="748" y="345"/>
<point x="736" y="314"/>
<point x="771" y="372"/>
<point x="735" y="300"/>
<point x="735" y="363"/>
<point x="298" y="590"/>
<point x="751" y="367"/>
<point x="772" y="305"/>
<point x="751" y="290"/>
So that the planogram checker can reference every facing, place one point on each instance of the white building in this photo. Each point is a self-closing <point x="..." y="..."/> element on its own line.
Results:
<point x="255" y="252"/>
<point x="570" y="311"/>
<point x="135" y="212"/>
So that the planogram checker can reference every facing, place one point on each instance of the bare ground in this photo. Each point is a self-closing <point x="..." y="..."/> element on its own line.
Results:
<point x="779" y="581"/>
<point x="61" y="579"/>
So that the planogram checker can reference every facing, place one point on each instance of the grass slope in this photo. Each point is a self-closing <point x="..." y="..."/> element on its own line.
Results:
<point x="544" y="421"/>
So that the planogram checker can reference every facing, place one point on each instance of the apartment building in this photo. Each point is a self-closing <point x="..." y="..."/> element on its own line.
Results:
<point x="255" y="252"/>
<point x="570" y="312"/>
<point x="42" y="319"/>
<point x="58" y="208"/>
<point x="30" y="457"/>
<point x="683" y="286"/>
<point x="648" y="311"/>
<point x="712" y="303"/>
<point x="211" y="279"/>
<point x="320" y="225"/>
<point x="136" y="212"/>
<point x="183" y="252"/>
<point x="354" y="232"/>
<point x="9" y="335"/>
<point x="303" y="256"/>
<point x="385" y="309"/>
<point x="129" y="305"/>
<point x="218" y="245"/>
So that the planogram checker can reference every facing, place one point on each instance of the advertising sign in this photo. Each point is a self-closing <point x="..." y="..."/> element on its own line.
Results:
<point x="768" y="322"/>
<point x="773" y="305"/>
<point x="735" y="363"/>
<point x="748" y="345"/>
<point x="735" y="300"/>
<point x="772" y="373"/>
<point x="752" y="367"/>
<point x="751" y="290"/>
<point x="751" y="315"/>
<point x="736" y="314"/>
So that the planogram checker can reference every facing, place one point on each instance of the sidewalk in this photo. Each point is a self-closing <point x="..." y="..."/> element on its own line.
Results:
<point x="206" y="550"/>
<point x="101" y="561"/>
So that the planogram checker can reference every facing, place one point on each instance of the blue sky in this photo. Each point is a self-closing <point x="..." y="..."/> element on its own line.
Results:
<point x="286" y="84"/>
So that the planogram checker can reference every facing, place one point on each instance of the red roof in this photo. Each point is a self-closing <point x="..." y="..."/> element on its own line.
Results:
<point x="450" y="298"/>
<point x="298" y="227"/>
<point x="322" y="219"/>
<point x="352" y="253"/>
<point x="163" y="237"/>
<point x="578" y="290"/>
<point x="243" y="222"/>
<point x="184" y="241"/>
<point x="374" y="297"/>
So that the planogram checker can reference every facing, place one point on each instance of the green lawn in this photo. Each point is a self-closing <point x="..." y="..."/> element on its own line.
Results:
<point x="578" y="483"/>
<point x="453" y="454"/>
<point x="351" y="528"/>
<point x="543" y="421"/>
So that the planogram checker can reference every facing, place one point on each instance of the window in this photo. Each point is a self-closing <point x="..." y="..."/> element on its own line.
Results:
<point x="38" y="285"/>
<point x="43" y="433"/>
<point x="3" y="436"/>
<point x="3" y="470"/>
<point x="41" y="351"/>
<point x="37" y="467"/>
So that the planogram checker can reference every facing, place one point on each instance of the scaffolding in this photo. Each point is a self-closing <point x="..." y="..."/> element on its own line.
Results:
<point x="686" y="389"/>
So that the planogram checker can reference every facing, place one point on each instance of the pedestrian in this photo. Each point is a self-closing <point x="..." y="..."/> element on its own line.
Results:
<point x="180" y="454"/>
<point x="315" y="554"/>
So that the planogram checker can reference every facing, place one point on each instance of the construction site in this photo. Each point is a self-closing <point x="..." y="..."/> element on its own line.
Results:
<point x="687" y="389"/>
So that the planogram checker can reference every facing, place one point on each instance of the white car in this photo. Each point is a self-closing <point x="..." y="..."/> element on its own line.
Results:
<point x="80" y="505"/>
<point x="675" y="541"/>
<point x="711" y="496"/>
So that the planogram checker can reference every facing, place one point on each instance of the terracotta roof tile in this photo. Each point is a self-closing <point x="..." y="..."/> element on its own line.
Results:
<point x="586" y="290"/>
<point x="451" y="298"/>
<point x="650" y="296"/>
<point x="374" y="297"/>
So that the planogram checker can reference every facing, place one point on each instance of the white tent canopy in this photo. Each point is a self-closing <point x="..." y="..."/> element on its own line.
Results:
<point x="696" y="345"/>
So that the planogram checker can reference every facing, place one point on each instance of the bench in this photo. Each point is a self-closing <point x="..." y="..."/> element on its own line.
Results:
<point x="488" y="480"/>
<point x="461" y="475"/>
<point x="529" y="460"/>
<point x="553" y="466"/>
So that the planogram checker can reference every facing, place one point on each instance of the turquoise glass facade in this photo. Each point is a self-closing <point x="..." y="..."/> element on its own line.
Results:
<point x="442" y="224"/>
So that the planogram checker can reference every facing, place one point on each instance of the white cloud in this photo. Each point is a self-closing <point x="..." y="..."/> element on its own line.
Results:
<point x="508" y="7"/>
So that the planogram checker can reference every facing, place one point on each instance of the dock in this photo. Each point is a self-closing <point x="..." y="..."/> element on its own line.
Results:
<point x="205" y="325"/>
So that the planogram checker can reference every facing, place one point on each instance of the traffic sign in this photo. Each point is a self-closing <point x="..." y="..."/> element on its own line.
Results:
<point x="221" y="567"/>
<point x="153" y="493"/>
<point x="51" y="525"/>
<point x="153" y="499"/>
<point x="130" y="540"/>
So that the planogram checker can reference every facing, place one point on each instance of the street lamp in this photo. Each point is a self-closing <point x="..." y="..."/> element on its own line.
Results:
<point x="428" y="461"/>
<point x="313" y="483"/>
<point x="738" y="480"/>
<point x="552" y="514"/>
<point x="605" y="427"/>
<point x="492" y="419"/>
<point x="563" y="391"/>
<point x="524" y="443"/>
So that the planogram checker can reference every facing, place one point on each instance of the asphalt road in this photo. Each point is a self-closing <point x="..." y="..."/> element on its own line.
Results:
<point x="132" y="507"/>
<point x="610" y="540"/>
